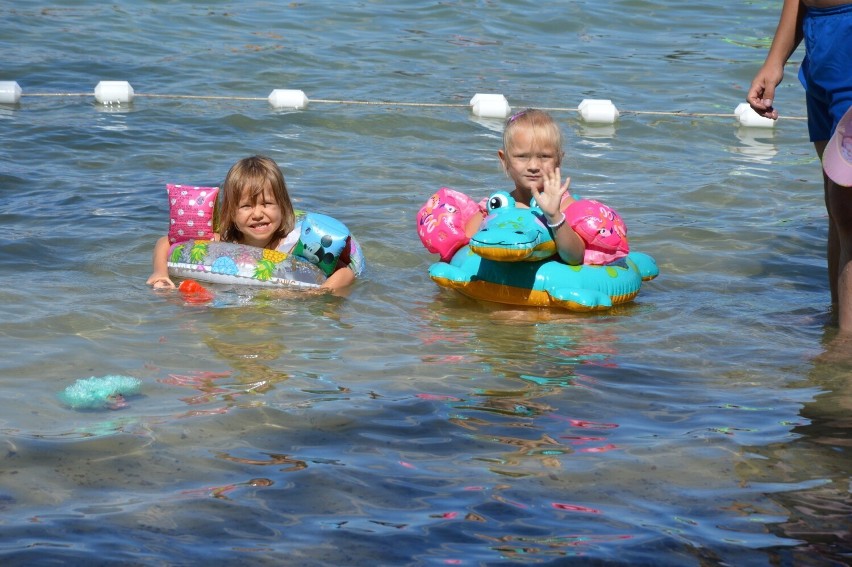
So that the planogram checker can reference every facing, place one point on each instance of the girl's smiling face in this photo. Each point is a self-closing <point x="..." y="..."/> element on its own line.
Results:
<point x="257" y="218"/>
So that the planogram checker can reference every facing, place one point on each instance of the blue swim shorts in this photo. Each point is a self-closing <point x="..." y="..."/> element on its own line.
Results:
<point x="826" y="72"/>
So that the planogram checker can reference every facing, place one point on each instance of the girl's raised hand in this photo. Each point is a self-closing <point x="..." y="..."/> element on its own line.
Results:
<point x="549" y="197"/>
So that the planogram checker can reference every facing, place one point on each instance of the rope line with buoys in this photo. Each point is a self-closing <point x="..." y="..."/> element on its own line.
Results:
<point x="483" y="105"/>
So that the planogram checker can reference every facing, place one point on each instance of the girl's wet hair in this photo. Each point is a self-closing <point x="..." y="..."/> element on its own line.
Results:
<point x="250" y="177"/>
<point x="545" y="129"/>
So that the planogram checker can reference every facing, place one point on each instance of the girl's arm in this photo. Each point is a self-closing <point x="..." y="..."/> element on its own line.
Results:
<point x="160" y="276"/>
<point x="788" y="35"/>
<point x="340" y="279"/>
<point x="553" y="203"/>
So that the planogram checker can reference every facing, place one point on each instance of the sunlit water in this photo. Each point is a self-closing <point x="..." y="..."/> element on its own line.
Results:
<point x="705" y="423"/>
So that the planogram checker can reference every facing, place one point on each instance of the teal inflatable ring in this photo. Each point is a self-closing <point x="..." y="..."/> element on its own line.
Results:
<point x="503" y="263"/>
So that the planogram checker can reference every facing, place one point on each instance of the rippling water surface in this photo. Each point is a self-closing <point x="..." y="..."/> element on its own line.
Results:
<point x="705" y="423"/>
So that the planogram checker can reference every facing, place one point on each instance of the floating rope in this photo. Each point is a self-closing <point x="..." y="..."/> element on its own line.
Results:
<point x="592" y="111"/>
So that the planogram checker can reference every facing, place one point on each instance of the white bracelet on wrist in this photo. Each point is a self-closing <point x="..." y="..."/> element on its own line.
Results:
<point x="556" y="225"/>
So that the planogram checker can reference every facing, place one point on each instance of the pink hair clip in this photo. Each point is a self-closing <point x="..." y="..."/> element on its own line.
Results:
<point x="517" y="115"/>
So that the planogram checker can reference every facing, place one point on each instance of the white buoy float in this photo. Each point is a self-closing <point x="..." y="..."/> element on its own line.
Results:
<point x="747" y="116"/>
<point x="598" y="111"/>
<point x="288" y="98"/>
<point x="490" y="105"/>
<point x="114" y="92"/>
<point x="10" y="92"/>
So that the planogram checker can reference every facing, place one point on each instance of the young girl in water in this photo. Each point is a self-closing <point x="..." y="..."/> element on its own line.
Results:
<point x="256" y="210"/>
<point x="531" y="156"/>
<point x="584" y="231"/>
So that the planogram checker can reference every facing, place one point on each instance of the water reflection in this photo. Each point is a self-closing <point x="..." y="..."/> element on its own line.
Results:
<point x="522" y="406"/>
<point x="596" y="131"/>
<point x="7" y="111"/>
<point x="756" y="144"/>
<point x="818" y="456"/>
<point x="493" y="124"/>
<point x="250" y="345"/>
<point x="222" y="492"/>
<point x="113" y="117"/>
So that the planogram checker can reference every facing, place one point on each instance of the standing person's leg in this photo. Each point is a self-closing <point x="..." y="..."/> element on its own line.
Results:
<point x="826" y="74"/>
<point x="833" y="242"/>
<point x="839" y="203"/>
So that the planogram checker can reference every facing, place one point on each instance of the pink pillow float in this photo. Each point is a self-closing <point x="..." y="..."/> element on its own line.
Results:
<point x="191" y="212"/>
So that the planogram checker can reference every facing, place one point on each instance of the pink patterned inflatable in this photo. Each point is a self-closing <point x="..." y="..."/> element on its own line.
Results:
<point x="601" y="228"/>
<point x="190" y="212"/>
<point x="441" y="221"/>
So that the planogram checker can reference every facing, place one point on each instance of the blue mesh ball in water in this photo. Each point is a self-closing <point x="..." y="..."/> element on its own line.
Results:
<point x="100" y="392"/>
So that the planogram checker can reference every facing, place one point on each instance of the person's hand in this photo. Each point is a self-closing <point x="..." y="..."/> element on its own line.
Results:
<point x="549" y="197"/>
<point x="161" y="282"/>
<point x="762" y="92"/>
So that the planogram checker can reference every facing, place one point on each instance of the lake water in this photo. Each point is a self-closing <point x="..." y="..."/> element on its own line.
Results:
<point x="706" y="423"/>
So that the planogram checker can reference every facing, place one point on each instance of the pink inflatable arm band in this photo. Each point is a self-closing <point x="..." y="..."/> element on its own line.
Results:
<point x="441" y="221"/>
<point x="601" y="228"/>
